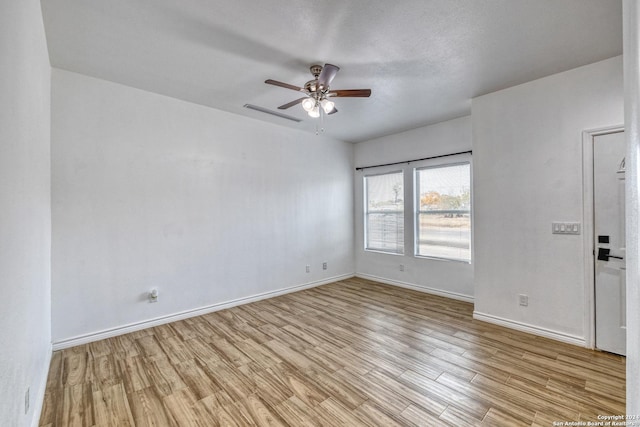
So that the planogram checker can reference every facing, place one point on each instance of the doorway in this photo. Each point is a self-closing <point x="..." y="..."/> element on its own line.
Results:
<point x="606" y="240"/>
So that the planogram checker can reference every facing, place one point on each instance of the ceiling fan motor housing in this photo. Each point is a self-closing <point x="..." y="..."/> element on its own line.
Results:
<point x="311" y="86"/>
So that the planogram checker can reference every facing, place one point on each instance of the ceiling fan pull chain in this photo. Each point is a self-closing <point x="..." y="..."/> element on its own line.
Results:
<point x="320" y="123"/>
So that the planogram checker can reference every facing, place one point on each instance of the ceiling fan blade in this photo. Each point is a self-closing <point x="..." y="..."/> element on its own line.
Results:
<point x="291" y="104"/>
<point x="327" y="74"/>
<point x="284" y="85"/>
<point x="335" y="110"/>
<point x="355" y="93"/>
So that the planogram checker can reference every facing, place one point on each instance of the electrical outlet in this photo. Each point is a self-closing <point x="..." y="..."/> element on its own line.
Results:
<point x="401" y="267"/>
<point x="26" y="401"/>
<point x="308" y="269"/>
<point x="324" y="265"/>
<point x="524" y="300"/>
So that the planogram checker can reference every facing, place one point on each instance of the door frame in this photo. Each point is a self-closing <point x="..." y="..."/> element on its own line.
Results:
<point x="588" y="230"/>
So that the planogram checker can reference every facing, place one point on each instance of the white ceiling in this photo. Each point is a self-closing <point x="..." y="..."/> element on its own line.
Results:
<point x="423" y="59"/>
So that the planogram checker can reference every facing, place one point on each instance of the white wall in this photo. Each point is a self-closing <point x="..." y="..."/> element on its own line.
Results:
<point x="453" y="279"/>
<point x="206" y="206"/>
<point x="25" y="205"/>
<point x="527" y="151"/>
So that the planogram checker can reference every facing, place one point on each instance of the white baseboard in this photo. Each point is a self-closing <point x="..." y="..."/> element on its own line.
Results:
<point x="531" y="329"/>
<point x="425" y="289"/>
<point x="125" y="329"/>
<point x="36" y="407"/>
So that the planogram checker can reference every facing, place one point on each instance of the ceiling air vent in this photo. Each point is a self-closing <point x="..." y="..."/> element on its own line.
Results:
<point x="273" y="113"/>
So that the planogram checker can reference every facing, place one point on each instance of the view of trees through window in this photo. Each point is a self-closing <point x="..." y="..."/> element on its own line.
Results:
<point x="444" y="215"/>
<point x="384" y="216"/>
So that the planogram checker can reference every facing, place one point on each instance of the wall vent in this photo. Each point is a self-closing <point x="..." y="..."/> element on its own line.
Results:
<point x="273" y="113"/>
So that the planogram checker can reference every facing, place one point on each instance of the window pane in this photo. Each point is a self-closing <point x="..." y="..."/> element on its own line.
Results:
<point x="444" y="215"/>
<point x="384" y="216"/>
<point x="385" y="232"/>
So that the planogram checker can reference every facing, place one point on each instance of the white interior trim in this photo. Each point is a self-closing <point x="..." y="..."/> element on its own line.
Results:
<point x="535" y="330"/>
<point x="425" y="289"/>
<point x="588" y="230"/>
<point x="125" y="329"/>
<point x="631" y="49"/>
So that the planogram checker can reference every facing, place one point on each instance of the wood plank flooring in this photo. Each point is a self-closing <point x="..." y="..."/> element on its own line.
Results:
<point x="352" y="353"/>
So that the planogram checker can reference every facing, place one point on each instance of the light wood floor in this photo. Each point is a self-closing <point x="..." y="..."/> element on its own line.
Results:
<point x="350" y="353"/>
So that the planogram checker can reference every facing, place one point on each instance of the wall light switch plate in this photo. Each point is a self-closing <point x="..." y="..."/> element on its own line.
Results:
<point x="566" y="228"/>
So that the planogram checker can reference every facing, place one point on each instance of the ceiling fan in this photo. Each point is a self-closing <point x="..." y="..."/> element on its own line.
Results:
<point x="318" y="91"/>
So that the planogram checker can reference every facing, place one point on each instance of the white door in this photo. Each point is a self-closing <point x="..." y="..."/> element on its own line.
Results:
<point x="608" y="207"/>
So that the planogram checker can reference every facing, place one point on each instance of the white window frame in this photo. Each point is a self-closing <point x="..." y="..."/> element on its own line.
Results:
<point x="367" y="212"/>
<point x="417" y="211"/>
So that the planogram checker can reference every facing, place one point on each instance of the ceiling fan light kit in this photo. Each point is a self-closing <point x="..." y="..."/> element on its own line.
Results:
<point x="315" y="112"/>
<point x="308" y="104"/>
<point x="327" y="106"/>
<point x="318" y="91"/>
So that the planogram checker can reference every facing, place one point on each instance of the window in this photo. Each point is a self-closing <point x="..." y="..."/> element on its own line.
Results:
<point x="443" y="217"/>
<point x="384" y="212"/>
